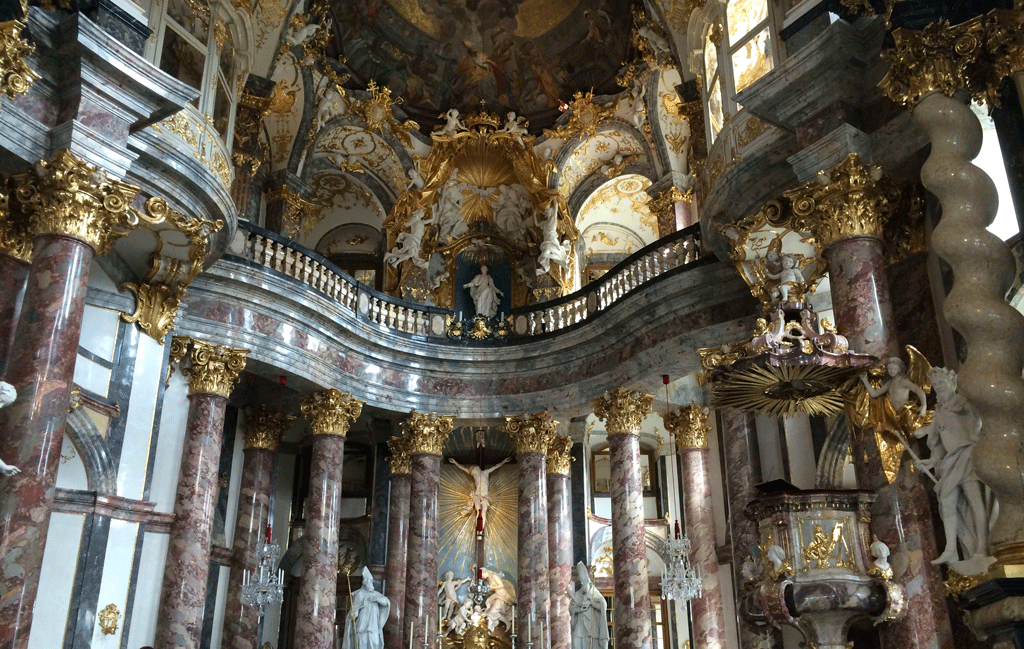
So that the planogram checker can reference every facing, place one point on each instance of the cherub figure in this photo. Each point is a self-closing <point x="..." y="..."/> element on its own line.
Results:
<point x="407" y="244"/>
<point x="452" y="124"/>
<point x="514" y="127"/>
<point x="462" y="617"/>
<point x="788" y="278"/>
<point x="446" y="594"/>
<point x="952" y="434"/>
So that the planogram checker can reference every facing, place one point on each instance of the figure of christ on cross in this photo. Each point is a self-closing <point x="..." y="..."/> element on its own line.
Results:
<point x="480" y="498"/>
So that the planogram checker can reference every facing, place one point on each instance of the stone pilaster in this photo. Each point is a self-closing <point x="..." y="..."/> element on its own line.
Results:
<point x="398" y="539"/>
<point x="212" y="372"/>
<point x="427" y="434"/>
<point x="531" y="435"/>
<point x="623" y="411"/>
<point x="74" y="211"/>
<point x="560" y="540"/>
<point x="330" y="413"/>
<point x="264" y="428"/>
<point x="690" y="427"/>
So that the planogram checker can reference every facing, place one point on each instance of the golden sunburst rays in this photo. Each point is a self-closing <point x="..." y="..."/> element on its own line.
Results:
<point x="783" y="390"/>
<point x="456" y="522"/>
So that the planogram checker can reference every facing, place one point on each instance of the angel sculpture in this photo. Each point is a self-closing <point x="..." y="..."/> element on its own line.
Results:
<point x="513" y="126"/>
<point x="789" y="278"/>
<point x="892" y="406"/>
<point x="302" y="34"/>
<point x="7" y="396"/>
<point x="551" y="250"/>
<point x="452" y="122"/>
<point x="407" y="244"/>
<point x="446" y="593"/>
<point x="952" y="434"/>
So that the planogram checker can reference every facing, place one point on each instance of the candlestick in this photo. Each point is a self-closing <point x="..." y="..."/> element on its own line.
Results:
<point x="412" y="625"/>
<point x="529" y="628"/>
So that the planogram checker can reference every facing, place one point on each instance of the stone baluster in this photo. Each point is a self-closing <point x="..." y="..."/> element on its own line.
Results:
<point x="531" y="435"/>
<point x="559" y="540"/>
<point x="264" y="427"/>
<point x="427" y="434"/>
<point x="930" y="71"/>
<point x="623" y="411"/>
<point x="330" y="413"/>
<point x="212" y="372"/>
<point x="398" y="539"/>
<point x="690" y="427"/>
<point x="846" y="216"/>
<point x="73" y="212"/>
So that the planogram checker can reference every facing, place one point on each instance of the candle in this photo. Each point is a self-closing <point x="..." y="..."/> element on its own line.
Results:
<point x="268" y="533"/>
<point x="529" y="627"/>
<point x="513" y="619"/>
<point x="427" y="630"/>
<point x="412" y="625"/>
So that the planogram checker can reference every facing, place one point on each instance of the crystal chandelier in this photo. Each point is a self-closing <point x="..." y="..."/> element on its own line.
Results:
<point x="680" y="580"/>
<point x="264" y="586"/>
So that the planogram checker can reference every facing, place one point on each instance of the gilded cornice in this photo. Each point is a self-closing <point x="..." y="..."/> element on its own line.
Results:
<point x="400" y="460"/>
<point x="851" y="200"/>
<point x="584" y="118"/>
<point x="427" y="432"/>
<point x="712" y="357"/>
<point x="621" y="410"/>
<point x="331" y="412"/>
<point x="690" y="426"/>
<point x="66" y="196"/>
<point x="531" y="433"/>
<point x="560" y="455"/>
<point x="15" y="75"/>
<point x="264" y="427"/>
<point x="213" y="369"/>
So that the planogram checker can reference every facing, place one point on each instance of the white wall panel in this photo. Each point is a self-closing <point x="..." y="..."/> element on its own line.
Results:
<point x="117" y="572"/>
<point x="131" y="474"/>
<point x="168" y="450"/>
<point x="147" y="590"/>
<point x="56" y="581"/>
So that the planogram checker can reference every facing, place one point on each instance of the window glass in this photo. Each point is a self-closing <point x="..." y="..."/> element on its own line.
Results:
<point x="752" y="60"/>
<point x="193" y="16"/>
<point x="743" y="16"/>
<point x="710" y="59"/>
<point x="715" y="107"/>
<point x="181" y="60"/>
<point x="222" y="110"/>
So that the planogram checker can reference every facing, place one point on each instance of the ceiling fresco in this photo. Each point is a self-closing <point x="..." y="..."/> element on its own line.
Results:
<point x="519" y="55"/>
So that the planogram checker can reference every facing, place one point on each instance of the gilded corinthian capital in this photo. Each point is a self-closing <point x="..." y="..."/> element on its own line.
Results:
<point x="213" y="369"/>
<point x="66" y="196"/>
<point x="690" y="426"/>
<point x="331" y="412"/>
<point x="427" y="433"/>
<point x="264" y="427"/>
<point x="400" y="461"/>
<point x="621" y="410"/>
<point x="850" y="200"/>
<point x="560" y="455"/>
<point x="531" y="433"/>
<point x="15" y="229"/>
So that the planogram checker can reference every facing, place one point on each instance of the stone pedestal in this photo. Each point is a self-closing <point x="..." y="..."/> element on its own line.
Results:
<point x="559" y="540"/>
<point x="398" y="540"/>
<point x="213" y="371"/>
<point x="532" y="435"/>
<point x="264" y="428"/>
<point x="427" y="434"/>
<point x="330" y="413"/>
<point x="623" y="412"/>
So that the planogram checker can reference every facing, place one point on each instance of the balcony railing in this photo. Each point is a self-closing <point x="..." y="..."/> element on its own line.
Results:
<point x="272" y="251"/>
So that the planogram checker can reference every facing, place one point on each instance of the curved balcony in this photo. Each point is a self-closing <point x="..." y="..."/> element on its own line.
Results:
<point x="300" y="314"/>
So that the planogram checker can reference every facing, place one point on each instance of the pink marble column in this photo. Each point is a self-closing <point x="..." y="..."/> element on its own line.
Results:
<point x="559" y="540"/>
<point x="426" y="434"/>
<point x="901" y="515"/>
<point x="65" y="200"/>
<point x="264" y="428"/>
<point x="213" y="371"/>
<point x="398" y="540"/>
<point x="623" y="412"/>
<point x="690" y="427"/>
<point x="532" y="435"/>
<point x="330" y="413"/>
<point x="13" y="273"/>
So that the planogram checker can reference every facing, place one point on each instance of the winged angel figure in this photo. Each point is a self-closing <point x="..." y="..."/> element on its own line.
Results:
<point x="891" y="401"/>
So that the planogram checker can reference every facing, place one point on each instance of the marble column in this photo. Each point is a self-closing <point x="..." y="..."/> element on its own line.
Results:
<point x="13" y="273"/>
<point x="264" y="428"/>
<point x="75" y="212"/>
<point x="690" y="427"/>
<point x="212" y="372"/>
<point x="742" y="474"/>
<point x="623" y="412"/>
<point x="427" y="434"/>
<point x="330" y="413"/>
<point x="848" y="222"/>
<point x="560" y="540"/>
<point x="531" y="436"/>
<point x="398" y="539"/>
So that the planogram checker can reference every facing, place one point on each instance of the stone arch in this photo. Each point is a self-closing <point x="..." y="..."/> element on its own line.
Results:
<point x="100" y="469"/>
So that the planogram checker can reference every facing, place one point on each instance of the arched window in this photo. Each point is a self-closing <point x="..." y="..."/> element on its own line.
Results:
<point x="739" y="48"/>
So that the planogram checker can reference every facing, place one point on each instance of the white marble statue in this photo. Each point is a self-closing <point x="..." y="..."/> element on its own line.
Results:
<point x="777" y="556"/>
<point x="452" y="124"/>
<point x="462" y="618"/>
<point x="898" y="387"/>
<point x="304" y="33"/>
<point x="447" y="597"/>
<point x="588" y="612"/>
<point x="415" y="179"/>
<point x="880" y="553"/>
<point x="332" y="105"/>
<point x="450" y="224"/>
<point x="407" y="244"/>
<point x="551" y="250"/>
<point x="484" y="293"/>
<point x="479" y="500"/>
<point x="7" y="396"/>
<point x="788" y="277"/>
<point x="951" y="435"/>
<point x="364" y="627"/>
<point x="513" y="127"/>
<point x="498" y="607"/>
<point x="510" y="211"/>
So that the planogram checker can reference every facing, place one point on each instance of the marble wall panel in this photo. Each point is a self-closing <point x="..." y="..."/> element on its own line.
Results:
<point x="114" y="584"/>
<point x="133" y="467"/>
<point x="142" y="630"/>
<point x="174" y="412"/>
<point x="56" y="579"/>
